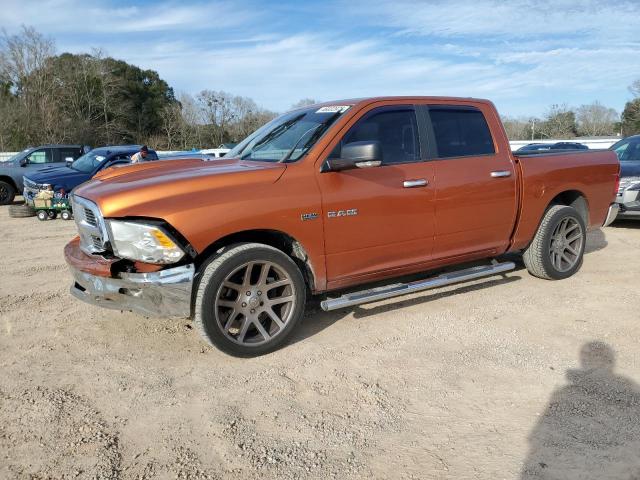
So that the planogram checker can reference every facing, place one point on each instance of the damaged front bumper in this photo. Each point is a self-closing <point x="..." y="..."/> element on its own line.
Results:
<point x="164" y="293"/>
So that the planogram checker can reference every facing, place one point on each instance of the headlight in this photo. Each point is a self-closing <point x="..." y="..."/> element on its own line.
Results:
<point x="142" y="242"/>
<point x="634" y="185"/>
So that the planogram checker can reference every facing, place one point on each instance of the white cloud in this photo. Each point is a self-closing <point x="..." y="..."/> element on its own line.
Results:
<point x="94" y="16"/>
<point x="524" y="55"/>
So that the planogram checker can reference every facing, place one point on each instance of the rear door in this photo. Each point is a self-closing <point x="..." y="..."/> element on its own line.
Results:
<point x="476" y="201"/>
<point x="378" y="218"/>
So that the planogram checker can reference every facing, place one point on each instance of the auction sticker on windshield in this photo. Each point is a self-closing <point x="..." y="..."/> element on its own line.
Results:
<point x="333" y="109"/>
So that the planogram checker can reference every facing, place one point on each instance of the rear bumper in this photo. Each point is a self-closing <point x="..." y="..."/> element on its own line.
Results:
<point x="165" y="293"/>
<point x="614" y="208"/>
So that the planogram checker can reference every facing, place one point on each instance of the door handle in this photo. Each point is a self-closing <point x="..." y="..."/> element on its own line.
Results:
<point x="501" y="174"/>
<point x="421" y="182"/>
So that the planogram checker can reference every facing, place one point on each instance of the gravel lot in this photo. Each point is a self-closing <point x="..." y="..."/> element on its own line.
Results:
<point x="509" y="377"/>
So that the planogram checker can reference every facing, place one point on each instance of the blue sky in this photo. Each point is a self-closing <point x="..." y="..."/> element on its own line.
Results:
<point x="524" y="55"/>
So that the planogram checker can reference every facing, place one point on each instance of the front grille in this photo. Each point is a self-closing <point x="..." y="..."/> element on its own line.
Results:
<point x="29" y="183"/>
<point x="91" y="226"/>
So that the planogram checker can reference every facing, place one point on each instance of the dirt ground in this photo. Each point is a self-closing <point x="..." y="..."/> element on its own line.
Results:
<point x="507" y="377"/>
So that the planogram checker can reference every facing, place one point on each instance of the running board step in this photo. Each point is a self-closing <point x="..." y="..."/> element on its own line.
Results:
<point x="397" y="289"/>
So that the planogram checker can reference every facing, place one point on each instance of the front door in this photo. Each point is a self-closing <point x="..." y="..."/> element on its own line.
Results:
<point x="379" y="218"/>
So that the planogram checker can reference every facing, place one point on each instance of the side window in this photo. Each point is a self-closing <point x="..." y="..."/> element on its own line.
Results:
<point x="65" y="154"/>
<point x="40" y="156"/>
<point x="395" y="128"/>
<point x="629" y="152"/>
<point x="460" y="132"/>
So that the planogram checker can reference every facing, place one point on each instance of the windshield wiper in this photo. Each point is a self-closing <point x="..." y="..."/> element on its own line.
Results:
<point x="320" y="129"/>
<point x="279" y="130"/>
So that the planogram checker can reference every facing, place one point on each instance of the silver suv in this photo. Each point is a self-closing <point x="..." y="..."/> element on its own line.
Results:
<point x="628" y="151"/>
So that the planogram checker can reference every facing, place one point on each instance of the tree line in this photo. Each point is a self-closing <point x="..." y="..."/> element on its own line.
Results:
<point x="591" y="120"/>
<point x="93" y="99"/>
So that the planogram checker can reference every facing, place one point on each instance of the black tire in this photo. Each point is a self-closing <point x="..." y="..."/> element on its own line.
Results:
<point x="65" y="215"/>
<point x="42" y="215"/>
<point x="52" y="215"/>
<point x="542" y="255"/>
<point x="209" y="315"/>
<point x="7" y="193"/>
<point x="21" y="211"/>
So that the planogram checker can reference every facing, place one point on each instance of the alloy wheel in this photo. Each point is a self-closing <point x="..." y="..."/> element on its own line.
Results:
<point x="255" y="302"/>
<point x="566" y="244"/>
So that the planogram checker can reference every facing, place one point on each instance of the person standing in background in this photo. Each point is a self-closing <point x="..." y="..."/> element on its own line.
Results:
<point x="141" y="155"/>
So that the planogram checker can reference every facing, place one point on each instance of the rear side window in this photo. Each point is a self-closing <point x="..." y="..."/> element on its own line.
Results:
<point x="68" y="154"/>
<point x="460" y="132"/>
<point x="395" y="128"/>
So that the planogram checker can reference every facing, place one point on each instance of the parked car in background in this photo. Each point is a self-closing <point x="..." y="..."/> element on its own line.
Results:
<point x="329" y="197"/>
<point x="543" y="147"/>
<point x="13" y="170"/>
<point x="628" y="152"/>
<point x="67" y="177"/>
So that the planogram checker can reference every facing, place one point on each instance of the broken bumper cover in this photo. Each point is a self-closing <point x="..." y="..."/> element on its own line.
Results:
<point x="166" y="293"/>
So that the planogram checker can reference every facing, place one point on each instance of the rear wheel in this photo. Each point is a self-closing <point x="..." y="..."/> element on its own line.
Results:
<point x="7" y="193"/>
<point x="42" y="215"/>
<point x="21" y="211"/>
<point x="557" y="248"/>
<point x="249" y="300"/>
<point x="52" y="215"/>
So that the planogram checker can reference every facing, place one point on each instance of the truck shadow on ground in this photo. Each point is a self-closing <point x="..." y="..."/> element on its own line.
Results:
<point x="591" y="427"/>
<point x="317" y="320"/>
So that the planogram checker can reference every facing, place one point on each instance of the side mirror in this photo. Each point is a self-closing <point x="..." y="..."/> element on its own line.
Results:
<point x="23" y="162"/>
<point x="363" y="154"/>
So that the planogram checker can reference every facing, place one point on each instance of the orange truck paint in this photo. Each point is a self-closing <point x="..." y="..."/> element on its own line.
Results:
<point x="462" y="215"/>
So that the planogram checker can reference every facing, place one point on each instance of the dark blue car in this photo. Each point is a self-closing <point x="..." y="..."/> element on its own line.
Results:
<point x="67" y="177"/>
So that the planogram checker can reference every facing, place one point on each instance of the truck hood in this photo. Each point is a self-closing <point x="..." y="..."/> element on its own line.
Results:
<point x="59" y="176"/>
<point x="629" y="169"/>
<point x="155" y="189"/>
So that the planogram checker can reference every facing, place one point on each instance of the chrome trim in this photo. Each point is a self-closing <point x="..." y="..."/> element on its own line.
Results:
<point x="398" y="289"/>
<point x="166" y="293"/>
<point x="614" y="209"/>
<point x="500" y="174"/>
<point x="421" y="182"/>
<point x="91" y="226"/>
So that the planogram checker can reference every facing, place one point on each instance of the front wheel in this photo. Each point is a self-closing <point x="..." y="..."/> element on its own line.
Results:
<point x="249" y="299"/>
<point x="557" y="248"/>
<point x="42" y="215"/>
<point x="7" y="193"/>
<point x="65" y="215"/>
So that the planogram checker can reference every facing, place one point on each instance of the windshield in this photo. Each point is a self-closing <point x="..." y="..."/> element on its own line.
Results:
<point x="288" y="137"/>
<point x="88" y="162"/>
<point x="627" y="150"/>
<point x="16" y="156"/>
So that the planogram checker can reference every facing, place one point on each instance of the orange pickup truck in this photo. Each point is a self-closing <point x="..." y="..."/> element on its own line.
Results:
<point x="327" y="197"/>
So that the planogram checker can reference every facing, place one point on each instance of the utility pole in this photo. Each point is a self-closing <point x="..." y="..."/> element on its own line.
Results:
<point x="533" y="128"/>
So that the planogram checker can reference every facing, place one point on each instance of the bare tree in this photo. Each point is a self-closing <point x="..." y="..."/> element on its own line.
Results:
<point x="634" y="88"/>
<point x="23" y="66"/>
<point x="596" y="119"/>
<point x="517" y="128"/>
<point x="559" y="122"/>
<point x="304" y="102"/>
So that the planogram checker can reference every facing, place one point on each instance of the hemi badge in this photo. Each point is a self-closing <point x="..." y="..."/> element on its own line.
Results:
<point x="308" y="216"/>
